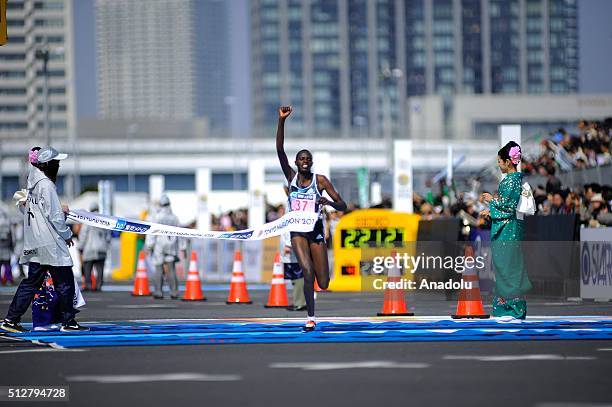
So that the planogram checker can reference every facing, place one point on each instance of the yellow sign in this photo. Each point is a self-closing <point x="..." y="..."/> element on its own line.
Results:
<point x="3" y="32"/>
<point x="363" y="234"/>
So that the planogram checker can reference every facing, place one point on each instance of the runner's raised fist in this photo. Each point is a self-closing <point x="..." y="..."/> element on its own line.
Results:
<point x="284" y="111"/>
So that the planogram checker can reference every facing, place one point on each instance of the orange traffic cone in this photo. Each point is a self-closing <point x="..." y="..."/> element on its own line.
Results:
<point x="141" y="283"/>
<point x="470" y="303"/>
<point x="238" y="290"/>
<point x="193" y="287"/>
<point x="93" y="281"/>
<point x="94" y="277"/>
<point x="394" y="303"/>
<point x="278" y="291"/>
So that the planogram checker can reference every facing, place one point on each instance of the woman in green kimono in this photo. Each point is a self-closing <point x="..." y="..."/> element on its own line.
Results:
<point x="507" y="233"/>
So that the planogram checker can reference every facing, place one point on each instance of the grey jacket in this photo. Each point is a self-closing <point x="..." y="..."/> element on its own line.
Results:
<point x="94" y="243"/>
<point x="44" y="224"/>
<point x="164" y="249"/>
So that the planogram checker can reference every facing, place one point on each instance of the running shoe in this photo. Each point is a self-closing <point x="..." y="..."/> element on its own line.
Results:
<point x="73" y="326"/>
<point x="14" y="327"/>
<point x="309" y="327"/>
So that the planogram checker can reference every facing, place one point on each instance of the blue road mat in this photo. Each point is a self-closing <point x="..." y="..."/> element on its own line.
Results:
<point x="142" y="334"/>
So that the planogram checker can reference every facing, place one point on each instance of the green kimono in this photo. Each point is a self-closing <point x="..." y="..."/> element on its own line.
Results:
<point x="507" y="232"/>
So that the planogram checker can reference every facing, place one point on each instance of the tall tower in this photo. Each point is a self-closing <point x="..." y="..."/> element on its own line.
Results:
<point x="144" y="59"/>
<point x="46" y="27"/>
<point x="163" y="59"/>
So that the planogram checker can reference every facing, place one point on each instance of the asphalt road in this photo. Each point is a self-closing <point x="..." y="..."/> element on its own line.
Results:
<point x="120" y="305"/>
<point x="526" y="373"/>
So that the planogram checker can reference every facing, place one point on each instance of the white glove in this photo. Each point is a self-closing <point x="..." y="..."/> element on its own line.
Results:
<point x="20" y="197"/>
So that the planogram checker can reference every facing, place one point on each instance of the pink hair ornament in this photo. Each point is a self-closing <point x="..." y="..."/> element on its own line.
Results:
<point x="515" y="155"/>
<point x="33" y="157"/>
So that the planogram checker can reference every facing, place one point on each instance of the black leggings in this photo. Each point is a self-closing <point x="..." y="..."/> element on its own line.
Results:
<point x="87" y="268"/>
<point x="313" y="262"/>
<point x="63" y="281"/>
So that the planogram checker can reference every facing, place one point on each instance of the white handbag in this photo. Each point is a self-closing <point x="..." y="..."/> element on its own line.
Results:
<point x="526" y="204"/>
<point x="78" y="300"/>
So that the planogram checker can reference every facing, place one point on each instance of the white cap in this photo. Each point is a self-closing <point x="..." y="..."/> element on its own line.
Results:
<point x="47" y="154"/>
<point x="164" y="200"/>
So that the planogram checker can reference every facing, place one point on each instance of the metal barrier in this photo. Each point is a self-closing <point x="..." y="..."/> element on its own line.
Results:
<point x="601" y="175"/>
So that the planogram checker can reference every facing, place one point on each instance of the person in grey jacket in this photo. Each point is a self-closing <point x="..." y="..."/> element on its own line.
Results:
<point x="93" y="246"/>
<point x="46" y="242"/>
<point x="164" y="251"/>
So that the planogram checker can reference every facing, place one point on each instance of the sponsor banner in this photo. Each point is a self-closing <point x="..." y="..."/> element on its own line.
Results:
<point x="292" y="222"/>
<point x="596" y="263"/>
<point x="402" y="176"/>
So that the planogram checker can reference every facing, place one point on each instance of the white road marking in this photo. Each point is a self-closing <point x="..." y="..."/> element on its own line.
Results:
<point x="412" y="319"/>
<point x="554" y="304"/>
<point x="605" y="349"/>
<point x="572" y="404"/>
<point x="373" y="364"/>
<point x="142" y="306"/>
<point x="4" y="335"/>
<point x="167" y="377"/>
<point x="508" y="358"/>
<point x="40" y="350"/>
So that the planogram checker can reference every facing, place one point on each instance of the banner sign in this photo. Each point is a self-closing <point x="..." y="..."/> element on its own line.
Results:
<point x="402" y="176"/>
<point x="596" y="263"/>
<point x="295" y="221"/>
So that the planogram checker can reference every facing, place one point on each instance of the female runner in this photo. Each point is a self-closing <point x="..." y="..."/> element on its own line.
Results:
<point x="305" y="194"/>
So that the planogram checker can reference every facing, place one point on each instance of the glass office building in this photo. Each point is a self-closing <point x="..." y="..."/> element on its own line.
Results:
<point x="347" y="66"/>
<point x="165" y="59"/>
<point x="36" y="26"/>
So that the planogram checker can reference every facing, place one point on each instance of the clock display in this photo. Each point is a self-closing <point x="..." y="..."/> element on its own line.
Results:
<point x="360" y="237"/>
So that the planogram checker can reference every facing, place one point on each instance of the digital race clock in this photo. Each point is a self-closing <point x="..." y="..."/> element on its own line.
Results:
<point x="363" y="233"/>
<point x="363" y="237"/>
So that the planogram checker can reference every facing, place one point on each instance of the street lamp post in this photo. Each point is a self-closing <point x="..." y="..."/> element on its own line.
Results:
<point x="43" y="54"/>
<point x="132" y="128"/>
<point x="389" y="74"/>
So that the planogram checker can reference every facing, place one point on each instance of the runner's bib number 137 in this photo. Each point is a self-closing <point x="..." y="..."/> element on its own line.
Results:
<point x="303" y="202"/>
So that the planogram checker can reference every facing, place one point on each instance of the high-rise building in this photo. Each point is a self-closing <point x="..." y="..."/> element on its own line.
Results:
<point x="162" y="59"/>
<point x="351" y="64"/>
<point x="144" y="59"/>
<point x="37" y="28"/>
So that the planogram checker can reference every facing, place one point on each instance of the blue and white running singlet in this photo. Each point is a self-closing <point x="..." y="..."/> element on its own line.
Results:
<point x="304" y="199"/>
